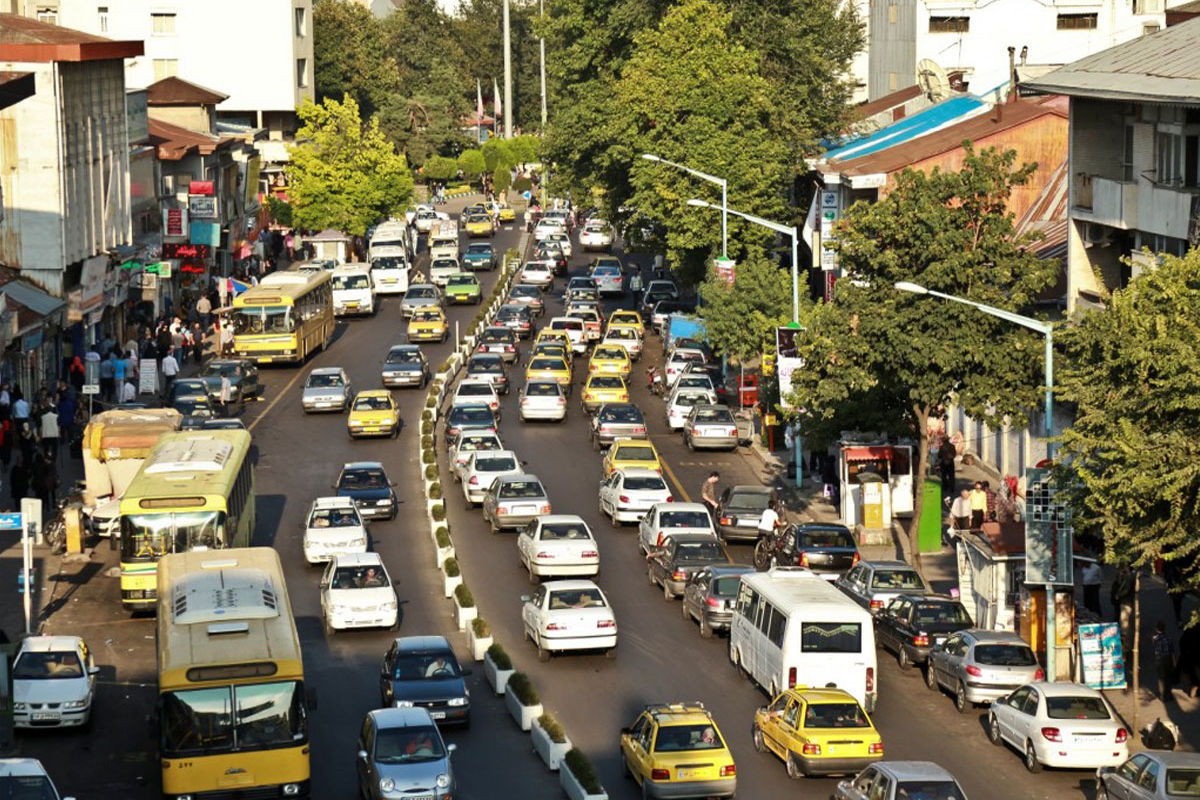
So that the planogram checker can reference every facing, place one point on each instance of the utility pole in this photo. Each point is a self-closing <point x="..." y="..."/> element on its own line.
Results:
<point x="508" y="109"/>
<point x="542" y="48"/>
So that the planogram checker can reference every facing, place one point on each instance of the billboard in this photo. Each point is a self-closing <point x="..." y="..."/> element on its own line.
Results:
<point x="787" y="361"/>
<point x="1049" y="535"/>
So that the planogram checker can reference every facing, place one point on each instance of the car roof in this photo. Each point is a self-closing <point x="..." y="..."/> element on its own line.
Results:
<point x="680" y="506"/>
<point x="887" y="565"/>
<point x="327" y="371"/>
<point x="333" y="502"/>
<point x="823" y="695"/>
<point x="694" y="537"/>
<point x="411" y="717"/>
<point x="408" y="644"/>
<point x="821" y="526"/>
<point x="362" y="465"/>
<point x="20" y="767"/>
<point x="495" y="453"/>
<point x="50" y="644"/>
<point x="404" y="348"/>
<point x="476" y="432"/>
<point x="985" y="636"/>
<point x="719" y="570"/>
<point x="640" y="472"/>
<point x="561" y="518"/>
<point x="710" y="406"/>
<point x="750" y="488"/>
<point x="573" y="583"/>
<point x="373" y="393"/>
<point x="1065" y="689"/>
<point x="1174" y="758"/>
<point x="522" y="476"/>
<point x="679" y="713"/>
<point x="370" y="559"/>
<point x="913" y="770"/>
<point x="916" y="597"/>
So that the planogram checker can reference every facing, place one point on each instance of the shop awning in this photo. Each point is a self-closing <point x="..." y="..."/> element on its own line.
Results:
<point x="867" y="452"/>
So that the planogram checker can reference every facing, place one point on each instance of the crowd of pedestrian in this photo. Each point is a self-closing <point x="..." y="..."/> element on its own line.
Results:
<point x="32" y="435"/>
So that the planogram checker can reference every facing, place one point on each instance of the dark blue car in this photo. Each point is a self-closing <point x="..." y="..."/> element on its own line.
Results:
<point x="827" y="550"/>
<point x="423" y="671"/>
<point x="367" y="484"/>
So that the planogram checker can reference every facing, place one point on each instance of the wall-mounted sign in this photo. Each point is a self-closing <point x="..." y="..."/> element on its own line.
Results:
<point x="175" y="222"/>
<point x="201" y="187"/>
<point x="180" y="250"/>
<point x="202" y="206"/>
<point x="208" y="233"/>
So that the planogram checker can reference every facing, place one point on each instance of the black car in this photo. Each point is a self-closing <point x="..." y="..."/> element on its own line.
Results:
<point x="739" y="510"/>
<point x="617" y="421"/>
<point x="490" y="366"/>
<point x="198" y="407"/>
<point x="405" y="365"/>
<point x="517" y="318"/>
<point x="828" y="550"/>
<point x="913" y="623"/>
<point x="499" y="340"/>
<point x="368" y="486"/>
<point x="242" y="374"/>
<point x="478" y="416"/>
<point x="187" y="388"/>
<point x="683" y="554"/>
<point x="423" y="671"/>
<point x="228" y="424"/>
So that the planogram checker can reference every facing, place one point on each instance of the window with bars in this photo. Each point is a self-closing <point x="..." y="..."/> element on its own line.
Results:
<point x="949" y="24"/>
<point x="1078" y="22"/>
<point x="102" y="18"/>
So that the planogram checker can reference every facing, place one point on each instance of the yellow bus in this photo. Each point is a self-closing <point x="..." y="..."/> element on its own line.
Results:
<point x="286" y="317"/>
<point x="232" y="707"/>
<point x="195" y="491"/>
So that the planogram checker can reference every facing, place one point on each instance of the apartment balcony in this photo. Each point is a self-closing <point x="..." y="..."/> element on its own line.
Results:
<point x="1106" y="201"/>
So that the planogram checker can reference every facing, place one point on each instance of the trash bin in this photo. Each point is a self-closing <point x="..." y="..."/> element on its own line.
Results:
<point x="929" y="534"/>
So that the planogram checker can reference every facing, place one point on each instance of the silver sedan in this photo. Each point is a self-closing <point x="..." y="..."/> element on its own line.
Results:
<point x="326" y="389"/>
<point x="512" y="501"/>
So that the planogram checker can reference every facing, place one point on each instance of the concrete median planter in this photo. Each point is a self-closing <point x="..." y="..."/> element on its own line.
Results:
<point x="523" y="715"/>
<point x="572" y="787"/>
<point x="432" y="504"/>
<point x="442" y="554"/>
<point x="479" y="645"/>
<point x="449" y="584"/>
<point x="496" y="677"/>
<point x="552" y="752"/>
<point x="464" y="615"/>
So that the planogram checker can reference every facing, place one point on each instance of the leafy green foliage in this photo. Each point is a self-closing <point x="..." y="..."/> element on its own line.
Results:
<point x="343" y="174"/>
<point x="440" y="168"/>
<point x="523" y="688"/>
<point x="472" y="164"/>
<point x="450" y="565"/>
<point x="499" y="656"/>
<point x="899" y="356"/>
<point x="350" y="55"/>
<point x="553" y="728"/>
<point x="280" y="211"/>
<point x="480" y="627"/>
<point x="1133" y="373"/>
<point x="464" y="597"/>
<point x="581" y="767"/>
<point x="741" y="319"/>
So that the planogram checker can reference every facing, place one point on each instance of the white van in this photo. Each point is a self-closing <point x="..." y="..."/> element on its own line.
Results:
<point x="394" y="233"/>
<point x="443" y="240"/>
<point x="575" y="329"/>
<point x="353" y="290"/>
<point x="791" y="628"/>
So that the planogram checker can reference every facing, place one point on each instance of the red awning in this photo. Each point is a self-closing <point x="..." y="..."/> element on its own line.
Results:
<point x="868" y="453"/>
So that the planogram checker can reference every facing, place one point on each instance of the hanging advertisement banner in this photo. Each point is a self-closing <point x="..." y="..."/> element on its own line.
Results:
<point x="202" y="206"/>
<point x="175" y="222"/>
<point x="787" y="361"/>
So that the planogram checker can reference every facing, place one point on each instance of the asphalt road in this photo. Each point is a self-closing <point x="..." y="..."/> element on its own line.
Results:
<point x="660" y="656"/>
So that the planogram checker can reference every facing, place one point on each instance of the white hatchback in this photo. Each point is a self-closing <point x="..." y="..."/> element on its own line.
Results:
<point x="482" y="468"/>
<point x="333" y="527"/>
<point x="627" y="494"/>
<point x="53" y="683"/>
<point x="558" y="545"/>
<point x="1059" y="725"/>
<point x="356" y="592"/>
<point x="595" y="236"/>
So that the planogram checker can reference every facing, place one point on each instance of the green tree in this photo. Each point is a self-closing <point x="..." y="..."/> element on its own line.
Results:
<point x="440" y="168"/>
<point x="880" y="348"/>
<point x="428" y="122"/>
<point x="740" y="320"/>
<point x="344" y="174"/>
<point x="1133" y="374"/>
<point x="280" y="211"/>
<point x="472" y="164"/>
<point x="350" y="55"/>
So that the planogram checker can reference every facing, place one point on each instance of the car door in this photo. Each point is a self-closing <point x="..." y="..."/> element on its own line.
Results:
<point x="526" y="541"/>
<point x="646" y="528"/>
<point x="1008" y="711"/>
<point x="532" y="612"/>
<point x="859" y="786"/>
<point x="633" y="746"/>
<point x="886" y="622"/>
<point x="1147" y="782"/>
<point x="882" y="789"/>
<point x="366" y="748"/>
<point x="953" y="662"/>
<point x="938" y="658"/>
<point x="772" y="724"/>
<point x="851" y="581"/>
<point x="489" y="500"/>
<point x="325" y="583"/>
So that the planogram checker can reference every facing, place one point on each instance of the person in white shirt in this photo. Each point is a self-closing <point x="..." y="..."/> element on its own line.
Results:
<point x="128" y="392"/>
<point x="48" y="424"/>
<point x="170" y="369"/>
<point x="21" y="409"/>
<point x="769" y="521"/>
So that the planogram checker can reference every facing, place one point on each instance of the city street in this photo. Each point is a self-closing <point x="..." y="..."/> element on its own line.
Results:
<point x="660" y="656"/>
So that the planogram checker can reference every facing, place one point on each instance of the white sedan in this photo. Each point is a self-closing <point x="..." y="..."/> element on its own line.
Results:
<point x="53" y="683"/>
<point x="470" y="441"/>
<point x="563" y="240"/>
<point x="545" y="227"/>
<point x="627" y="494"/>
<point x="356" y="592"/>
<point x="1059" y="725"/>
<point x="542" y="399"/>
<point x="535" y="273"/>
<point x="482" y="468"/>
<point x="627" y="338"/>
<point x="666" y="519"/>
<point x="595" y="236"/>
<point x="680" y="403"/>
<point x="569" y="615"/>
<point x="334" y="527"/>
<point x="477" y="392"/>
<point x="558" y="545"/>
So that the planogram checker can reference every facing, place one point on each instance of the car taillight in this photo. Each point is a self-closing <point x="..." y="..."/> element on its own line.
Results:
<point x="508" y="348"/>
<point x="791" y="677"/>
<point x="660" y="774"/>
<point x="588" y="395"/>
<point x="974" y="671"/>
<point x="670" y="499"/>
<point x="1038" y="675"/>
<point x="811" y="749"/>
<point x="678" y="575"/>
<point x="804" y="559"/>
<point x="1122" y="735"/>
<point x="876" y="748"/>
<point x="696" y="432"/>
<point x="545" y="554"/>
<point x="870" y="679"/>
<point x="624" y="498"/>
<point x="590" y="554"/>
<point x="921" y="640"/>
<point x="474" y="480"/>
<point x="728" y="770"/>
<point x="554" y="626"/>
<point x="640" y="429"/>
<point x="726" y="520"/>
<point x="592" y="367"/>
<point x="501" y="510"/>
<point x="876" y="604"/>
<point x="1051" y="734"/>
<point x="562" y="401"/>
<point x="606" y="623"/>
<point x="732" y="432"/>
<point x="712" y="602"/>
<point x="545" y="509"/>
<point x="856" y="559"/>
<point x="624" y="396"/>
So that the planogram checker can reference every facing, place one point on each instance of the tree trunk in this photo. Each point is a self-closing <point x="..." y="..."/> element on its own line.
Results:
<point x="914" y="538"/>
<point x="1133" y="657"/>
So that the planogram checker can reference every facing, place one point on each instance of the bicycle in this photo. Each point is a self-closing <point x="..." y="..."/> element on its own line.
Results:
<point x="770" y="546"/>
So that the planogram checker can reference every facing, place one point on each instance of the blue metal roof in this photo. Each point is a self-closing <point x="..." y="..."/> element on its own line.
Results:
<point x="930" y="119"/>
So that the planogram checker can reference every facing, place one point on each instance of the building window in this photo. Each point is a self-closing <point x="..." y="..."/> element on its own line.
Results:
<point x="165" y="68"/>
<point x="102" y="18"/>
<point x="163" y="24"/>
<point x="1148" y="7"/>
<point x="893" y="83"/>
<point x="302" y="72"/>
<point x="1150" y="28"/>
<point x="949" y="24"/>
<point x="48" y="16"/>
<point x="1170" y="157"/>
<point x="1078" y="22"/>
<point x="301" y="23"/>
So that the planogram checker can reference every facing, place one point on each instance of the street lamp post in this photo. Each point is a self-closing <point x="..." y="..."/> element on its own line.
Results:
<point x="1047" y="330"/>
<point x="724" y="184"/>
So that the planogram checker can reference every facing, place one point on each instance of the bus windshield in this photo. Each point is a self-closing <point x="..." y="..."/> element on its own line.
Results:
<point x="148" y="537"/>
<point x="351" y="282"/>
<point x="257" y="716"/>
<point x="263" y="319"/>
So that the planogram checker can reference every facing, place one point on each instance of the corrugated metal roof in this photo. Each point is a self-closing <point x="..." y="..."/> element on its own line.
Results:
<point x="931" y="119"/>
<point x="175" y="91"/>
<point x="23" y="39"/>
<point x="1162" y="66"/>
<point x="32" y="297"/>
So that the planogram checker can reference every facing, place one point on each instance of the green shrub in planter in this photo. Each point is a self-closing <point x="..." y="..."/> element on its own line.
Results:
<point x="499" y="656"/>
<point x="431" y="402"/>
<point x="439" y="512"/>
<point x="450" y="565"/>
<point x="464" y="597"/>
<point x="442" y="537"/>
<point x="435" y="491"/>
<point x="428" y="457"/>
<point x="520" y="685"/>
<point x="431" y="472"/>
<point x="480" y="628"/>
<point x="427" y="414"/>
<point x="427" y="442"/>
<point x="580" y="766"/>
<point x="437" y="382"/>
<point x="552" y="727"/>
<point x="427" y="427"/>
<point x="445" y="365"/>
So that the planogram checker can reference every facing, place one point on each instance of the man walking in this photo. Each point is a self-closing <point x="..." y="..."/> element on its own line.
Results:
<point x="170" y="369"/>
<point x="978" y="506"/>
<point x="204" y="309"/>
<point x="960" y="512"/>
<point x="1164" y="662"/>
<point x="708" y="493"/>
<point x="107" y="377"/>
<point x="48" y="423"/>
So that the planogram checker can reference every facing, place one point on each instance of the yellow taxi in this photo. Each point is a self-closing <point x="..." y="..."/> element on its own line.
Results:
<point x="479" y="225"/>
<point x="817" y="732"/>
<point x="374" y="413"/>
<point x="553" y="347"/>
<point x="676" y="750"/>
<point x="428" y="325"/>
<point x="623" y="318"/>
<point x="506" y="213"/>
<point x="550" y="368"/>
<point x="552" y="335"/>
<point x="601" y="389"/>
<point x="610" y="359"/>
<point x="629" y="453"/>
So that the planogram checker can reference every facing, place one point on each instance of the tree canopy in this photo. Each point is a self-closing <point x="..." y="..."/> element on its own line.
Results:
<point x="741" y="318"/>
<point x="344" y="174"/>
<point x="904" y="356"/>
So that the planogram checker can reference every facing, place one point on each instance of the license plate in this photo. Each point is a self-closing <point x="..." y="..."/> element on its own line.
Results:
<point x="747" y="523"/>
<point x="324" y="405"/>
<point x="43" y="717"/>
<point x="265" y="359"/>
<point x="437" y="714"/>
<point x="687" y="774"/>
<point x="939" y="639"/>
<point x="373" y="429"/>
<point x="525" y="509"/>
<point x="351" y="305"/>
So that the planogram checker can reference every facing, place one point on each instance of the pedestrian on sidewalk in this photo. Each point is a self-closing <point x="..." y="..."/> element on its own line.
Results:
<point x="1164" y="662"/>
<point x="204" y="309"/>
<point x="48" y="424"/>
<point x="20" y="405"/>
<point x="67" y="408"/>
<point x="960" y="514"/>
<point x="18" y="481"/>
<point x="226" y="338"/>
<point x="107" y="375"/>
<point x="946" y="454"/>
<point x="128" y="392"/>
<point x="978" y="501"/>
<point x="170" y="369"/>
<point x="6" y="438"/>
<point x="1121" y="594"/>
<point x="1091" y="577"/>
<point x="198" y="343"/>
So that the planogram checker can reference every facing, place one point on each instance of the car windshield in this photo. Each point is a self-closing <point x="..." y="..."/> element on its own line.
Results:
<point x="359" y="577"/>
<point x="644" y="483"/>
<point x="1004" y="655"/>
<point x="606" y="382"/>
<point x="41" y="665"/>
<point x="462" y="280"/>
<point x="565" y="530"/>
<point x="217" y="369"/>
<point x="262" y="319"/>
<point x="521" y="489"/>
<point x="421" y="293"/>
<point x="835" y="715"/>
<point x="699" y="551"/>
<point x="1076" y="707"/>
<point x="444" y="263"/>
<point x="825" y="537"/>
<point x="475" y="390"/>
<point x="351" y="282"/>
<point x="258" y="716"/>
<point x="896" y="579"/>
<point x="147" y="537"/>
<point x="427" y="316"/>
<point x="677" y="738"/>
<point x="404" y="357"/>
<point x="689" y="380"/>
<point x="478" y="415"/>
<point x="615" y="353"/>
<point x="317" y="381"/>
<point x="620" y="414"/>
<point x="27" y="787"/>
<point x="422" y="666"/>
<point x="363" y="479"/>
<point x="523" y="290"/>
<point x="634" y="452"/>
<point x="689" y="400"/>
<point x="547" y="363"/>
<point x="683" y="519"/>
<point x="513" y="312"/>
<point x="929" y="790"/>
<point x="480" y="249"/>
<point x="941" y="614"/>
<point x="495" y="464"/>
<point x="372" y="403"/>
<point x="727" y="586"/>
<point x="389" y="262"/>
<point x="1183" y="782"/>
<point x="713" y="415"/>
<point x="334" y="518"/>
<point x="497" y="335"/>
<point x="576" y="598"/>
<point x="566" y="325"/>
<point x="408" y="745"/>
<point x="606" y="272"/>
<point x="543" y="390"/>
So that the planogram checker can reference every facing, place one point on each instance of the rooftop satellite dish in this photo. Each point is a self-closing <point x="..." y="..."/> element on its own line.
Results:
<point x="933" y="80"/>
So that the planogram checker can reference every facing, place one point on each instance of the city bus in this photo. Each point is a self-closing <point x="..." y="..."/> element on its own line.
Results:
<point x="232" y="707"/>
<point x="195" y="491"/>
<point x="286" y="317"/>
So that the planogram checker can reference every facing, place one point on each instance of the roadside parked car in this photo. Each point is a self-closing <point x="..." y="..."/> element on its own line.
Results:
<point x="565" y="615"/>
<point x="333" y="527"/>
<point x="710" y="594"/>
<point x="912" y="624"/>
<point x="979" y="666"/>
<point x="679" y="558"/>
<point x="513" y="501"/>
<point x="356" y="592"/>
<point x="401" y="749"/>
<point x="901" y="780"/>
<point x="423" y="670"/>
<point x="53" y="683"/>
<point x="1151" y="775"/>
<point x="1066" y="725"/>
<point x="872" y="584"/>
<point x="558" y="545"/>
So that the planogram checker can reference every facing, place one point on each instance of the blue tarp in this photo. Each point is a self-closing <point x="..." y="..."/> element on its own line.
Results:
<point x="937" y="116"/>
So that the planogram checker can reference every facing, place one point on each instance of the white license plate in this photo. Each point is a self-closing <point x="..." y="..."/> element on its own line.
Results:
<point x="437" y="714"/>
<point x="687" y="774"/>
<point x="44" y="717"/>
<point x="324" y="405"/>
<point x="525" y="509"/>
<point x="747" y="523"/>
<point x="939" y="639"/>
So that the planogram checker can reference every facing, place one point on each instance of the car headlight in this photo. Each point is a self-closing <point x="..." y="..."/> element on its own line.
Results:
<point x="384" y="502"/>
<point x="456" y="701"/>
<point x="75" y="704"/>
<point x="443" y="781"/>
<point x="403" y="704"/>
<point x="291" y="790"/>
<point x="18" y="706"/>
<point x="359" y="542"/>
<point x="386" y="784"/>
<point x="388" y="606"/>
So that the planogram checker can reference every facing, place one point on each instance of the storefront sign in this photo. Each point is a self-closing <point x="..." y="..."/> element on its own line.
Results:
<point x="202" y="206"/>
<point x="201" y="187"/>
<point x="92" y="282"/>
<point x="162" y="269"/>
<point x="175" y="222"/>
<point x="180" y="250"/>
<point x="829" y="217"/>
<point x="207" y="233"/>
<point x="32" y="340"/>
<point x="1101" y="657"/>
<point x="147" y="376"/>
<point x="1049" y="535"/>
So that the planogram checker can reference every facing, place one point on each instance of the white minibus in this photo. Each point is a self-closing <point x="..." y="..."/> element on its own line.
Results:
<point x="353" y="290"/>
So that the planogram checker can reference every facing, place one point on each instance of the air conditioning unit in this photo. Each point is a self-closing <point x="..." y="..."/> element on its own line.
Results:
<point x="1094" y="234"/>
<point x="168" y="185"/>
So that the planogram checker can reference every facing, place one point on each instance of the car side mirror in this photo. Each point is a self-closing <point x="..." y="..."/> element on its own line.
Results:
<point x="450" y="748"/>
<point x="362" y="754"/>
<point x="524" y="598"/>
<point x="323" y="585"/>
<point x="626" y="731"/>
<point x="93" y="670"/>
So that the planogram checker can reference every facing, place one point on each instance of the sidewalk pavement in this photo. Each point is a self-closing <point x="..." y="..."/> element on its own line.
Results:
<point x="807" y="504"/>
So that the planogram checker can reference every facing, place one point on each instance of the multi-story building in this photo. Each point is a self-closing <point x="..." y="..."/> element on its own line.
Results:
<point x="1134" y="157"/>
<point x="965" y="42"/>
<point x="258" y="53"/>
